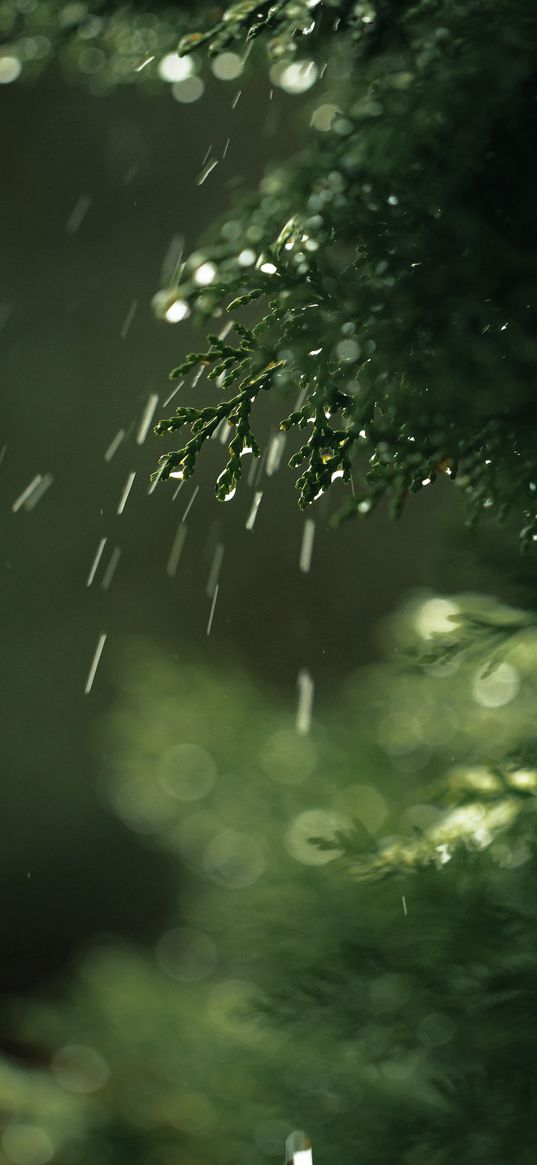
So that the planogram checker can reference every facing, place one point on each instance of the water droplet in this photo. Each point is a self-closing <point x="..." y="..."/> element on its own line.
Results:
<point x="498" y="688"/>
<point x="227" y="66"/>
<point x="10" y="69"/>
<point x="176" y="311"/>
<point x="172" y="67"/>
<point x="295" y="78"/>
<point x="189" y="90"/>
<point x="205" y="274"/>
<point x="348" y="350"/>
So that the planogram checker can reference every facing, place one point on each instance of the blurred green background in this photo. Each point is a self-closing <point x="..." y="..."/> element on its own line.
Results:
<point x="155" y="861"/>
<point x="70" y="383"/>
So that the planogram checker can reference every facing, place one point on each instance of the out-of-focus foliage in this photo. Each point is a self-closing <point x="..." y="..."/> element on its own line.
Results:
<point x="102" y="44"/>
<point x="298" y="985"/>
<point x="38" y="1119"/>
<point x="96" y="43"/>
<point x="475" y="720"/>
<point x="105" y="44"/>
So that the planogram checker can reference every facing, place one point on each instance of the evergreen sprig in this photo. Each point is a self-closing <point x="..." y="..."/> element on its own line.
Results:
<point x="96" y="42"/>
<point x="283" y="20"/>
<point x="398" y="254"/>
<point x="248" y="368"/>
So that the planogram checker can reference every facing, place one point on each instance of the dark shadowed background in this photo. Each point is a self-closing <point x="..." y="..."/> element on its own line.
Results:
<point x="81" y="352"/>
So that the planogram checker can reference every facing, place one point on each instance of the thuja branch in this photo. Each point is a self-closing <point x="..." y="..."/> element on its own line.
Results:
<point x="227" y="364"/>
<point x="106" y="44"/>
<point x="400" y="247"/>
<point x="399" y="269"/>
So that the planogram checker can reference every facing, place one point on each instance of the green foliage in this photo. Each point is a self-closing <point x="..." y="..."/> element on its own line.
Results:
<point x="353" y="945"/>
<point x="95" y="43"/>
<point x="38" y="1117"/>
<point x="378" y="994"/>
<point x="285" y="22"/>
<point x="396" y="257"/>
<point x="104" y="44"/>
<point x="393" y="260"/>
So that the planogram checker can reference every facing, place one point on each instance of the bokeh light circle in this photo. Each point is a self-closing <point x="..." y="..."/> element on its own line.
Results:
<point x="187" y="772"/>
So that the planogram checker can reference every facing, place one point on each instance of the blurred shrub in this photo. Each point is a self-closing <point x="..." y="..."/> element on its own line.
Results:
<point x="376" y="986"/>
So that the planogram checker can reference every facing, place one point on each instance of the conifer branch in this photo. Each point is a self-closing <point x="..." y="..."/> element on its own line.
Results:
<point x="398" y="268"/>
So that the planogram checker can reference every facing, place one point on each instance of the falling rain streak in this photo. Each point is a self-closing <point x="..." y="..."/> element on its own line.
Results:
<point x="96" y="561"/>
<point x="38" y="492"/>
<point x="250" y="521"/>
<point x="206" y="171"/>
<point x="154" y="483"/>
<point x="144" y="62"/>
<point x="306" y="549"/>
<point x="197" y="376"/>
<point x="260" y="466"/>
<point x="38" y="485"/>
<point x="172" y="394"/>
<point x="26" y="493"/>
<point x="126" y="492"/>
<point x="300" y="398"/>
<point x="111" y="568"/>
<point x="275" y="453"/>
<point x="252" y="471"/>
<point x="305" y="702"/>
<point x="95" y="663"/>
<point x="176" y="550"/>
<point x="147" y="417"/>
<point x="114" y="445"/>
<point x="78" y="214"/>
<point x="131" y="173"/>
<point x="405" y="911"/>
<point x="171" y="266"/>
<point x="215" y="569"/>
<point x="211" y="614"/>
<point x="128" y="319"/>
<point x="190" y="504"/>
